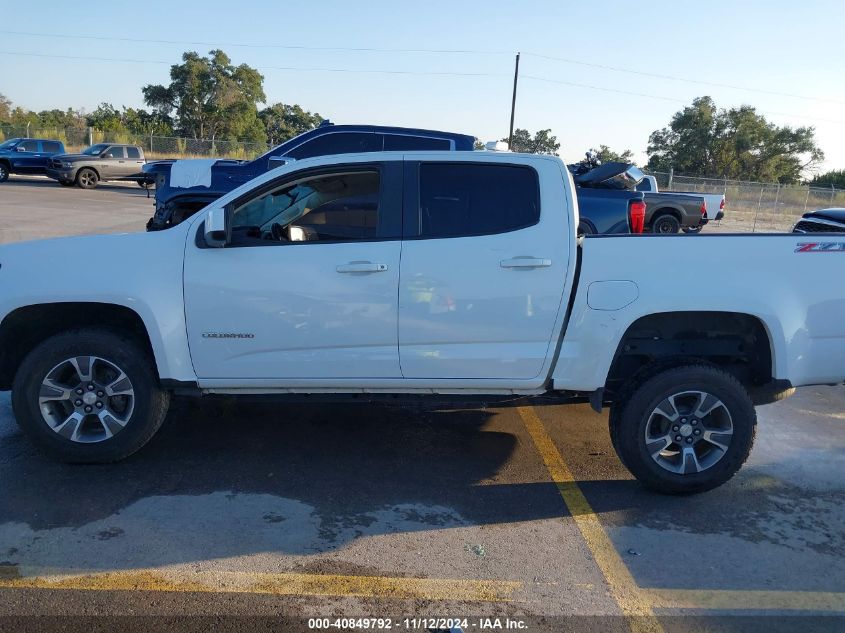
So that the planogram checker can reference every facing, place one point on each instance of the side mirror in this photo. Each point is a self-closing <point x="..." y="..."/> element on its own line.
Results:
<point x="217" y="229"/>
<point x="278" y="161"/>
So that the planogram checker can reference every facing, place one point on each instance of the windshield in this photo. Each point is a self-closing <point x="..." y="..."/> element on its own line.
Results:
<point x="95" y="150"/>
<point x="10" y="143"/>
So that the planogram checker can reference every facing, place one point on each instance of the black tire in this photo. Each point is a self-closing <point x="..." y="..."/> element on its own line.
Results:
<point x="144" y="184"/>
<point x="584" y="228"/>
<point x="4" y="172"/>
<point x="693" y="229"/>
<point x="666" y="224"/>
<point x="149" y="401"/>
<point x="87" y="178"/>
<point x="629" y="421"/>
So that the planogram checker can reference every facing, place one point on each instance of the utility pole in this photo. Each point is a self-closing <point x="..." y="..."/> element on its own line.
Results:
<point x="513" y="101"/>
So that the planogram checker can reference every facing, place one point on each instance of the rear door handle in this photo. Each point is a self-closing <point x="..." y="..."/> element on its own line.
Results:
<point x="525" y="262"/>
<point x="361" y="267"/>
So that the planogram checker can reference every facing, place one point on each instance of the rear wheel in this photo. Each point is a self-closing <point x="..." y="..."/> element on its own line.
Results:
<point x="4" y="172"/>
<point x="584" y="228"/>
<point x="684" y="430"/>
<point x="66" y="183"/>
<point x="146" y="184"/>
<point x="89" y="396"/>
<point x="666" y="225"/>
<point x="87" y="178"/>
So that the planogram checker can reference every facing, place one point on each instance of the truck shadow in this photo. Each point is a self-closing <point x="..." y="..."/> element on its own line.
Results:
<point x="38" y="182"/>
<point x="231" y="478"/>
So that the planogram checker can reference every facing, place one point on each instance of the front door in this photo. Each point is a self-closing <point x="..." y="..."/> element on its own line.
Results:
<point x="483" y="270"/>
<point x="308" y="287"/>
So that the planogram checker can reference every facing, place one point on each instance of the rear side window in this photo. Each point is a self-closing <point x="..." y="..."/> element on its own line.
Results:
<point x="133" y="152"/>
<point x="51" y="147"/>
<point x="457" y="199"/>
<point x="114" y="152"/>
<point x="337" y="143"/>
<point x="399" y="142"/>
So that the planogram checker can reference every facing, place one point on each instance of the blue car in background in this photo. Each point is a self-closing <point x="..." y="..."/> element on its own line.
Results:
<point x="27" y="155"/>
<point x="174" y="204"/>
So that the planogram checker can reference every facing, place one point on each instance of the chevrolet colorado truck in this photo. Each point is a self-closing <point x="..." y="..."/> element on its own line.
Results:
<point x="419" y="274"/>
<point x="103" y="161"/>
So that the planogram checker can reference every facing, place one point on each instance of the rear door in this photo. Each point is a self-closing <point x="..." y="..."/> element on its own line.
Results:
<point x="48" y="149"/>
<point x="484" y="267"/>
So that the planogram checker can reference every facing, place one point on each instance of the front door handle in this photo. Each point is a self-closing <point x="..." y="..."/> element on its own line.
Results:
<point x="525" y="262"/>
<point x="361" y="267"/>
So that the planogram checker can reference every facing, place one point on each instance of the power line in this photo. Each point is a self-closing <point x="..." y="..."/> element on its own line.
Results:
<point x="286" y="68"/>
<point x="683" y="79"/>
<point x="445" y="51"/>
<point x="364" y="49"/>
<point x="412" y="72"/>
<point x="672" y="99"/>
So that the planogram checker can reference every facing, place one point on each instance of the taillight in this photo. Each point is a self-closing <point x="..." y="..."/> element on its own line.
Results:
<point x="636" y="211"/>
<point x="703" y="208"/>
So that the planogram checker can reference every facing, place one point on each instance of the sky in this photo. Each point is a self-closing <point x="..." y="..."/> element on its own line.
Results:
<point x="622" y="70"/>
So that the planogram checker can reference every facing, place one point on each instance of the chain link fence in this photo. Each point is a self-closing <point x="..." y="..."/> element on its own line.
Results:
<point x="76" y="138"/>
<point x="756" y="206"/>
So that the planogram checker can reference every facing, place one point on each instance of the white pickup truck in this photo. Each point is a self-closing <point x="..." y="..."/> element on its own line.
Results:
<point x="436" y="273"/>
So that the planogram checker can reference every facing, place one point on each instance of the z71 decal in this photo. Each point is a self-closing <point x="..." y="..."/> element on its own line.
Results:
<point x="820" y="247"/>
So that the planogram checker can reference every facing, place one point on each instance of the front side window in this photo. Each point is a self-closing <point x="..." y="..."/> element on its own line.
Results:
<point x="114" y="152"/>
<point x="95" y="150"/>
<point x="462" y="199"/>
<point x="331" y="207"/>
<point x="28" y="146"/>
<point x="337" y="143"/>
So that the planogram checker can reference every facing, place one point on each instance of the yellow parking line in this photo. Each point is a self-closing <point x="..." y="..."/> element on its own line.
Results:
<point x="632" y="601"/>
<point x="747" y="600"/>
<point x="282" y="584"/>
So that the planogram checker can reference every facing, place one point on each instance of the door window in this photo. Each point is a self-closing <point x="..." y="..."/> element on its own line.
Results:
<point x="133" y="152"/>
<point x="114" y="152"/>
<point x="337" y="143"/>
<point x="337" y="207"/>
<point x="51" y="147"/>
<point x="458" y="200"/>
<point x="28" y="146"/>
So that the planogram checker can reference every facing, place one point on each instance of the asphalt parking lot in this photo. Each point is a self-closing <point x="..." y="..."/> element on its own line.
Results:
<point x="520" y="512"/>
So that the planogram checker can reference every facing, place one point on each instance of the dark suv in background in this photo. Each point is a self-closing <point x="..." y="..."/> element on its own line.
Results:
<point x="174" y="203"/>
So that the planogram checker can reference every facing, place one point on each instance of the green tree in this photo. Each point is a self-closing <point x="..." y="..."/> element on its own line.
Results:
<point x="282" y="121"/>
<point x="541" y="143"/>
<point x="733" y="143"/>
<point x="209" y="97"/>
<point x="5" y="108"/>
<point x="607" y="155"/>
<point x="834" y="178"/>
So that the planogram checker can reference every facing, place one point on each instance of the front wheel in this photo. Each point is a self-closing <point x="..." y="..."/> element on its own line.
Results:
<point x="684" y="430"/>
<point x="89" y="396"/>
<point x="87" y="178"/>
<point x="4" y="172"/>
